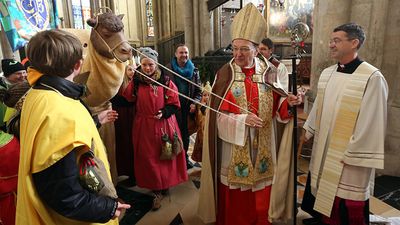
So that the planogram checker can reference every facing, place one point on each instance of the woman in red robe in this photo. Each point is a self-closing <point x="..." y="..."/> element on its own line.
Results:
<point x="154" y="118"/>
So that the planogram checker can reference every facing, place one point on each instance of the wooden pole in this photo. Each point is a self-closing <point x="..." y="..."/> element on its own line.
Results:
<point x="294" y="140"/>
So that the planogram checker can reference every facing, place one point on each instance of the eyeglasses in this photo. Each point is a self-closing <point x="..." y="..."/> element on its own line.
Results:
<point x="241" y="49"/>
<point x="338" y="41"/>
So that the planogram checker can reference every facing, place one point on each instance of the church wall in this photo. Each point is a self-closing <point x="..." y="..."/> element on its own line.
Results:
<point x="391" y="70"/>
<point x="198" y="27"/>
<point x="325" y="20"/>
<point x="178" y="12"/>
<point x="132" y="20"/>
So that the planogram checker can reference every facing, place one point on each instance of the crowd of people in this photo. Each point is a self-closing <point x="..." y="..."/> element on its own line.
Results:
<point x="56" y="164"/>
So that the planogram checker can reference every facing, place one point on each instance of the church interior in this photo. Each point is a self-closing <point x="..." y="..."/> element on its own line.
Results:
<point x="205" y="28"/>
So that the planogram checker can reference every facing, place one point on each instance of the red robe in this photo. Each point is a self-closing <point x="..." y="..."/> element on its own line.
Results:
<point x="150" y="171"/>
<point x="123" y="135"/>
<point x="9" y="160"/>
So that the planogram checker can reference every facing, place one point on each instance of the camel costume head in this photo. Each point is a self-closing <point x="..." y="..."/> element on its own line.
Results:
<point x="105" y="51"/>
<point x="108" y="36"/>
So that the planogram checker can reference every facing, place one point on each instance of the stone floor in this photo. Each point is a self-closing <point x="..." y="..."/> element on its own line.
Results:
<point x="181" y="205"/>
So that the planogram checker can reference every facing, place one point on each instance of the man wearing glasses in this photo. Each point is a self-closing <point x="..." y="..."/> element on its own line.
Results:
<point x="348" y="122"/>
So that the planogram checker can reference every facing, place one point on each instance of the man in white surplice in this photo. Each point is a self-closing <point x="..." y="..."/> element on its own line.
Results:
<point x="348" y="122"/>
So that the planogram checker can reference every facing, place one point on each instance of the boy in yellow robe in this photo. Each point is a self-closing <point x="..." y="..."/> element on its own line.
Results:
<point x="56" y="129"/>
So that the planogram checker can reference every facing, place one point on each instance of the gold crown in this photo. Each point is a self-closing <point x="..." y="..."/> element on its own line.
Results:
<point x="249" y="24"/>
<point x="207" y="87"/>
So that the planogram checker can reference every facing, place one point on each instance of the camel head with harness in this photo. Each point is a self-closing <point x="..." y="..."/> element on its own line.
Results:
<point x="105" y="49"/>
<point x="108" y="37"/>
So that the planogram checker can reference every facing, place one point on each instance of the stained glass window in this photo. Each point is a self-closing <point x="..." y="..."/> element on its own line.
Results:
<point x="80" y="12"/>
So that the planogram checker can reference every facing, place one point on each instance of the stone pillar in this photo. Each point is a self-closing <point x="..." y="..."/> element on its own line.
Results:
<point x="327" y="15"/>
<point x="133" y="26"/>
<point x="374" y="26"/>
<point x="177" y="12"/>
<point x="205" y="31"/>
<point x="189" y="34"/>
<point x="217" y="28"/>
<point x="390" y="68"/>
<point x="167" y="18"/>
<point x="163" y="11"/>
<point x="198" y="35"/>
<point x="196" y="28"/>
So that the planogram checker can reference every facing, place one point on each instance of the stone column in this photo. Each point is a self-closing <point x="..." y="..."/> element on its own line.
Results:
<point x="163" y="11"/>
<point x="189" y="34"/>
<point x="327" y="15"/>
<point x="198" y="35"/>
<point x="374" y="26"/>
<point x="166" y="18"/>
<point x="133" y="28"/>
<point x="177" y="12"/>
<point x="390" y="68"/>
<point x="205" y="34"/>
<point x="196" y="28"/>
<point x="216" y="17"/>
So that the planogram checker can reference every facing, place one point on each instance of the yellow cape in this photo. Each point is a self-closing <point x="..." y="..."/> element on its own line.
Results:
<point x="51" y="126"/>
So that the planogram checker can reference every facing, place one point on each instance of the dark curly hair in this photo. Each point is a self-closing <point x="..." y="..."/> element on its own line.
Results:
<point x="353" y="31"/>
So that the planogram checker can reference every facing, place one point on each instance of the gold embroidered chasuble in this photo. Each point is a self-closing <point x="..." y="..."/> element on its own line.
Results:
<point x="245" y="169"/>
